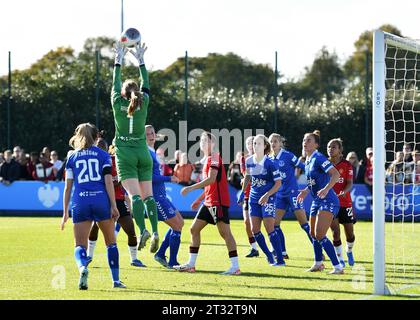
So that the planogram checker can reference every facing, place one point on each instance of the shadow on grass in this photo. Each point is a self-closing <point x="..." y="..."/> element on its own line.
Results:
<point x="285" y="276"/>
<point x="408" y="296"/>
<point x="306" y="289"/>
<point x="184" y="293"/>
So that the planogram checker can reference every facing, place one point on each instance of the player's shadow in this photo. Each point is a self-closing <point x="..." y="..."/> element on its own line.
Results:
<point x="184" y="293"/>
<point x="389" y="264"/>
<point x="408" y="296"/>
<point x="308" y="276"/>
<point x="296" y="289"/>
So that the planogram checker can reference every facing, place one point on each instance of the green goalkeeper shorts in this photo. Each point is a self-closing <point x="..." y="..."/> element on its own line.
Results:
<point x="134" y="163"/>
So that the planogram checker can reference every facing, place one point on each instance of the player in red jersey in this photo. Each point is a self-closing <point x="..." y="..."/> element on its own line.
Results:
<point x="215" y="209"/>
<point x="342" y="188"/>
<point x="125" y="219"/>
<point x="249" y="143"/>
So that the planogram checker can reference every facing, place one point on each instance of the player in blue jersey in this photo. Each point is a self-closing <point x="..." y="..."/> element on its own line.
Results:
<point x="88" y="168"/>
<point x="286" y="197"/>
<point x="125" y="220"/>
<point x="321" y="178"/>
<point x="166" y="210"/>
<point x="249" y="143"/>
<point x="265" y="182"/>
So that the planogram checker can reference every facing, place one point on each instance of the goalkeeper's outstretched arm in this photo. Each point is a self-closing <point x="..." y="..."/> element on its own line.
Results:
<point x="138" y="53"/>
<point x="144" y="79"/>
<point x="120" y="52"/>
<point x="116" y="83"/>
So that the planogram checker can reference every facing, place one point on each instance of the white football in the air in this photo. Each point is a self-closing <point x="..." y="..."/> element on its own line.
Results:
<point x="130" y="37"/>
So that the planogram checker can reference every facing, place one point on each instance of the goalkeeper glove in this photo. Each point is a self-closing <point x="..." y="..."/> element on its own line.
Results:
<point x="120" y="52"/>
<point x="139" y="53"/>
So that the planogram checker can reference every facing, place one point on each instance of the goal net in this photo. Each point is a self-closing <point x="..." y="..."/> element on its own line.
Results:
<point x="396" y="186"/>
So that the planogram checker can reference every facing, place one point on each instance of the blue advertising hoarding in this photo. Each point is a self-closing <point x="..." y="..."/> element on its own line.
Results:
<point x="38" y="197"/>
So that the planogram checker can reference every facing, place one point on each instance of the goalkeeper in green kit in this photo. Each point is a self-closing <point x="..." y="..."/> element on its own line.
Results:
<point x="130" y="102"/>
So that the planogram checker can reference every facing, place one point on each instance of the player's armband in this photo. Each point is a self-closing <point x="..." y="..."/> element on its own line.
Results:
<point x="106" y="170"/>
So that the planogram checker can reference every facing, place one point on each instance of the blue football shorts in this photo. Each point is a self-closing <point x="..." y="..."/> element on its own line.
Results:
<point x="90" y="208"/>
<point x="266" y="211"/>
<point x="289" y="202"/>
<point x="331" y="205"/>
<point x="166" y="210"/>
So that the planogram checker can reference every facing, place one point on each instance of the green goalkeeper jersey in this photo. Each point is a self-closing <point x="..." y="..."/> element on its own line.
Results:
<point x="129" y="131"/>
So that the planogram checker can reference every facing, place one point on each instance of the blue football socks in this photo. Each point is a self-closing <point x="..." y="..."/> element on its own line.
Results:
<point x="174" y="242"/>
<point x="259" y="237"/>
<point x="329" y="249"/>
<point x="165" y="243"/>
<point x="80" y="256"/>
<point x="276" y="244"/>
<point x="113" y="261"/>
<point x="282" y="239"/>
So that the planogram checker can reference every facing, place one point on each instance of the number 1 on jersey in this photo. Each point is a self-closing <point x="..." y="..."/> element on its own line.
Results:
<point x="131" y="125"/>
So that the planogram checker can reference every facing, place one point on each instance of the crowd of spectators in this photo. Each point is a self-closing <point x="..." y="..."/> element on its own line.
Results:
<point x="46" y="166"/>
<point x="179" y="166"/>
<point x="41" y="166"/>
<point x="405" y="169"/>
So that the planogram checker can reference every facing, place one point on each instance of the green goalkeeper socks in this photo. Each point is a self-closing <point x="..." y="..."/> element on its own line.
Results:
<point x="138" y="212"/>
<point x="152" y="212"/>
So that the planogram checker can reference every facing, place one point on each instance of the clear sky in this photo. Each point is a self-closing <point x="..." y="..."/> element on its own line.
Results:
<point x="254" y="29"/>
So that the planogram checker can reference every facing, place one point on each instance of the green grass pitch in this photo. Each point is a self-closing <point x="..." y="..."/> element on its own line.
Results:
<point x="36" y="262"/>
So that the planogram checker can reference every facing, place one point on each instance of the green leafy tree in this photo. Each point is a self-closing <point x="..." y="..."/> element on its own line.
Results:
<point x="223" y="71"/>
<point x="322" y="79"/>
<point x="355" y="66"/>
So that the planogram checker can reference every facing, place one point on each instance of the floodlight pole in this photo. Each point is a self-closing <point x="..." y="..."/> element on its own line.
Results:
<point x="367" y="99"/>
<point x="186" y="87"/>
<point x="97" y="88"/>
<point x="276" y="109"/>
<point x="9" y="101"/>
<point x="122" y="15"/>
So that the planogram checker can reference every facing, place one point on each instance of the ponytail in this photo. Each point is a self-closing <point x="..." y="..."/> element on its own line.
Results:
<point x="131" y="91"/>
<point x="135" y="101"/>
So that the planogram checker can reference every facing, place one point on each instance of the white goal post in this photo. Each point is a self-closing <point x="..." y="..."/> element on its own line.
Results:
<point x="381" y="40"/>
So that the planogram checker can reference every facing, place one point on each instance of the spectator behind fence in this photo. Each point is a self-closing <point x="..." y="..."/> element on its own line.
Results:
<point x="234" y="175"/>
<point x="197" y="174"/>
<point x="165" y="169"/>
<point x="57" y="163"/>
<point x="407" y="152"/>
<point x="23" y="163"/>
<point x="43" y="170"/>
<point x="33" y="161"/>
<point x="62" y="171"/>
<point x="17" y="153"/>
<point x="47" y="152"/>
<point x="173" y="162"/>
<point x="1" y="158"/>
<point x="410" y="167"/>
<point x="360" y="178"/>
<point x="183" y="170"/>
<point x="395" y="171"/>
<point x="417" y="174"/>
<point x="354" y="160"/>
<point x="368" y="176"/>
<point x="9" y="169"/>
<point x="416" y="156"/>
